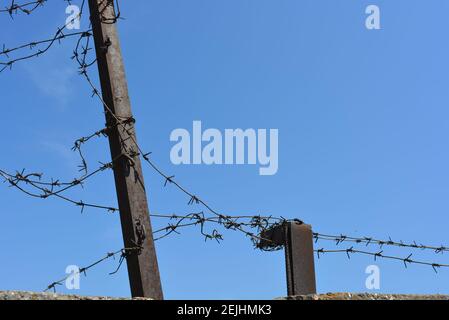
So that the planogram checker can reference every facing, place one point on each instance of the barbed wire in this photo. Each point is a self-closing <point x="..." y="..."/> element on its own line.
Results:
<point x="380" y="254"/>
<point x="80" y="56"/>
<point x="46" y="189"/>
<point x="35" y="45"/>
<point x="57" y="38"/>
<point x="55" y="188"/>
<point x="200" y="219"/>
<point x="124" y="253"/>
<point x="373" y="241"/>
<point x="235" y="223"/>
<point x="193" y="219"/>
<point x="256" y="222"/>
<point x="251" y="226"/>
<point x="28" y="7"/>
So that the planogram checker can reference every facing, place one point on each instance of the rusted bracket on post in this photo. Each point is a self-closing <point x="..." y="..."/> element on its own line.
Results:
<point x="297" y="240"/>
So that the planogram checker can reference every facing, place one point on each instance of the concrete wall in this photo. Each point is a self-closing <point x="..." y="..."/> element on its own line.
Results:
<point x="20" y="295"/>
<point x="367" y="296"/>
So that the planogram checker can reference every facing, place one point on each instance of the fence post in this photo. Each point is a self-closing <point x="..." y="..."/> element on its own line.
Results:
<point x="143" y="270"/>
<point x="297" y="240"/>
<point x="299" y="259"/>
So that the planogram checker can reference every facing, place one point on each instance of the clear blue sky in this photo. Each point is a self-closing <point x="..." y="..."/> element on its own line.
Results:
<point x="363" y="123"/>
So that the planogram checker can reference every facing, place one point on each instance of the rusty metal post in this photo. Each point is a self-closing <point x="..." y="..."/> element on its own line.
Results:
<point x="297" y="240"/>
<point x="143" y="268"/>
<point x="299" y="258"/>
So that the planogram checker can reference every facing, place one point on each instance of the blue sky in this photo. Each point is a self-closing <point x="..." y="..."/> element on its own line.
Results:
<point x="363" y="125"/>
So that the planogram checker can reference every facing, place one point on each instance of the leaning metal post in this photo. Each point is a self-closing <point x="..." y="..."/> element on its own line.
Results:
<point x="143" y="270"/>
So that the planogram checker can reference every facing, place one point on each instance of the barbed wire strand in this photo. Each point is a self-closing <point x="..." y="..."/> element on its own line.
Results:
<point x="197" y="216"/>
<point x="338" y="239"/>
<point x="125" y="252"/>
<point x="27" y="7"/>
<point x="376" y="255"/>
<point x="49" y="42"/>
